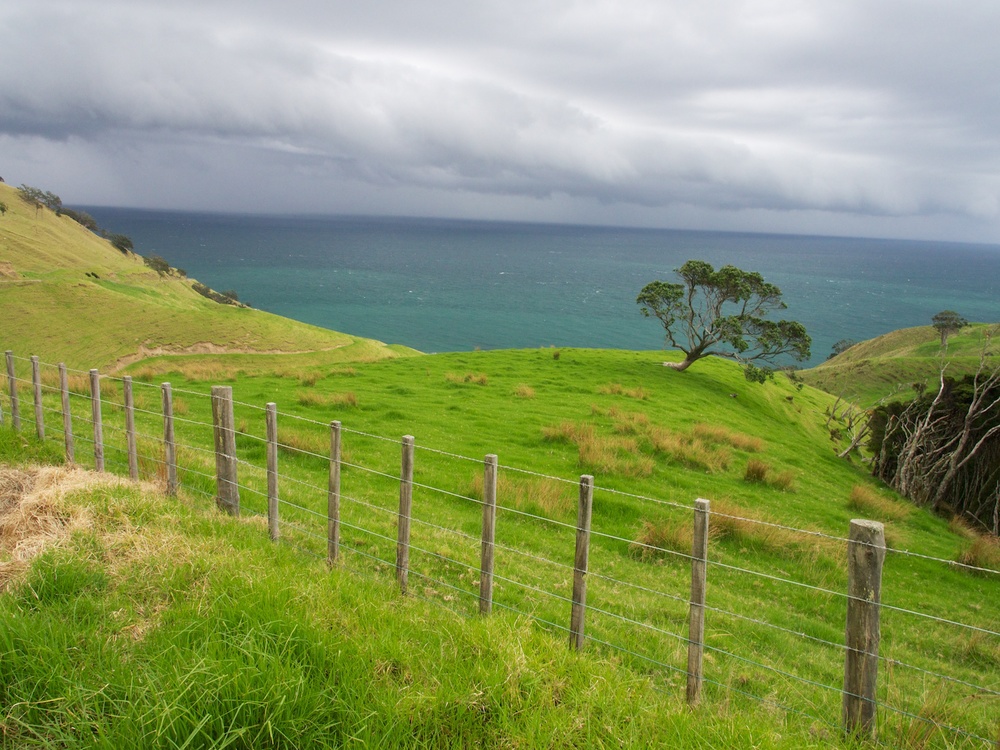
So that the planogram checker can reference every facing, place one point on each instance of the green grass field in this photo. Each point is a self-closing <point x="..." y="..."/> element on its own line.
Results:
<point x="146" y="621"/>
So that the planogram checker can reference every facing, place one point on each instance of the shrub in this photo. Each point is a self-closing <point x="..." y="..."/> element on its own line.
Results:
<point x="123" y="243"/>
<point x="155" y="262"/>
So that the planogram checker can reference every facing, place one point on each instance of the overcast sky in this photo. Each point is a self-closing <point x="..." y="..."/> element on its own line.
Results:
<point x="864" y="117"/>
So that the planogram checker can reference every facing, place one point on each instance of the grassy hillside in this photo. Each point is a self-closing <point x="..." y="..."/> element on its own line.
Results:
<point x="655" y="440"/>
<point x="872" y="369"/>
<point x="144" y="621"/>
<point x="68" y="295"/>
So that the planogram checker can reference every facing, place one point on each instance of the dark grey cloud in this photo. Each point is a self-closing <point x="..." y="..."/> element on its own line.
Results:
<point x="764" y="114"/>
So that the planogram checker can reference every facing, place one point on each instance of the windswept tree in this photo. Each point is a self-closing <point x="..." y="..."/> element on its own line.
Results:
<point x="723" y="312"/>
<point x="948" y="322"/>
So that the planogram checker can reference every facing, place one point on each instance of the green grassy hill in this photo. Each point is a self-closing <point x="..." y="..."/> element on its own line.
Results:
<point x="144" y="621"/>
<point x="892" y="363"/>
<point x="68" y="295"/>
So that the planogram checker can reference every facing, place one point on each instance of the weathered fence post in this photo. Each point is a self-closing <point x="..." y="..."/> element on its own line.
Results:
<point x="405" y="511"/>
<point x="227" y="487"/>
<point x="271" y="417"/>
<point x="865" y="555"/>
<point x="95" y="414"/>
<point x="15" y="411"/>
<point x="67" y="414"/>
<point x="133" y="452"/>
<point x="583" y="516"/>
<point x="489" y="534"/>
<point x="333" y="497"/>
<point x="696" y="617"/>
<point x="169" y="445"/>
<point x="36" y="389"/>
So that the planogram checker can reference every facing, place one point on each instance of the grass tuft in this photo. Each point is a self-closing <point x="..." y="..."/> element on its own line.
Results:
<point x="867" y="501"/>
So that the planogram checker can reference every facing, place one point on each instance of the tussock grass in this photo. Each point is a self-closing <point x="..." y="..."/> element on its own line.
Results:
<point x="873" y="504"/>
<point x="617" y="389"/>
<point x="982" y="552"/>
<point x="314" y="400"/>
<point x="523" y="390"/>
<point x="760" y="472"/>
<point x="728" y="523"/>
<point x="474" y="378"/>
<point x="538" y="496"/>
<point x="723" y="435"/>
<point x="689" y="450"/>
<point x="603" y="454"/>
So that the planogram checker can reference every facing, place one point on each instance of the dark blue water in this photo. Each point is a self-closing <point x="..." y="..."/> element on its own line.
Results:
<point x="441" y="285"/>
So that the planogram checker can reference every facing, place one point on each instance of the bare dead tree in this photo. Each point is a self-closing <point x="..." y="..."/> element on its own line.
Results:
<point x="944" y="451"/>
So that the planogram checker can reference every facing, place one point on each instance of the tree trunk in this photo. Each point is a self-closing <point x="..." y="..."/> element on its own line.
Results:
<point x="680" y="366"/>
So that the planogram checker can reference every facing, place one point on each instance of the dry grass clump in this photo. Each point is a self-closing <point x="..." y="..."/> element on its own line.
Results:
<point x="865" y="500"/>
<point x="657" y="539"/>
<point x="760" y="472"/>
<point x="629" y="423"/>
<point x="475" y="378"/>
<point x="689" y="450"/>
<point x="602" y="454"/>
<point x="313" y="400"/>
<point x="32" y="516"/>
<point x="295" y="442"/>
<point x="983" y="552"/>
<point x="617" y="389"/>
<point x="523" y="390"/>
<point x="727" y="522"/>
<point x="308" y="380"/>
<point x="720" y="434"/>
<point x="539" y="496"/>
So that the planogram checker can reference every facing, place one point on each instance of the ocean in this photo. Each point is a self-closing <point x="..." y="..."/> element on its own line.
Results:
<point x="450" y="285"/>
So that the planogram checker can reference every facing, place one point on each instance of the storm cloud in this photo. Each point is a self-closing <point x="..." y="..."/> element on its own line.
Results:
<point x="851" y="117"/>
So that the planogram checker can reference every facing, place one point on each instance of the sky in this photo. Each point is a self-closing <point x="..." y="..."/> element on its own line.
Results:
<point x="849" y="117"/>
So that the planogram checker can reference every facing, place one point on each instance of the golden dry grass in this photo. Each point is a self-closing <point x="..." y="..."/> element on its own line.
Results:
<point x="617" y="389"/>
<point x="475" y="378"/>
<point x="720" y="434"/>
<point x="982" y="552"/>
<point x="523" y="390"/>
<point x="871" y="503"/>
<point x="313" y="400"/>
<point x="33" y="516"/>
<point x="539" y="496"/>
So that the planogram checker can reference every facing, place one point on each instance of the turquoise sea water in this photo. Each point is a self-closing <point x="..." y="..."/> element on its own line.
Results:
<point x="441" y="285"/>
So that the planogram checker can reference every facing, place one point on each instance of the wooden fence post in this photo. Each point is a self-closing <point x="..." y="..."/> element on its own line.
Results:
<point x="95" y="413"/>
<point x="333" y="497"/>
<point x="489" y="534"/>
<point x="271" y="417"/>
<point x="15" y="411"/>
<point x="36" y="389"/>
<point x="133" y="452"/>
<point x="67" y="414"/>
<point x="405" y="511"/>
<point x="696" y="616"/>
<point x="865" y="555"/>
<point x="583" y="515"/>
<point x="227" y="486"/>
<point x="169" y="445"/>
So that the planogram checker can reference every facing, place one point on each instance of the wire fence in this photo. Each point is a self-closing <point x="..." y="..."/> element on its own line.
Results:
<point x="485" y="535"/>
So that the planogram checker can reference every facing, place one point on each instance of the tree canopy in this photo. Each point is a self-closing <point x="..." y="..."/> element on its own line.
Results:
<point x="948" y="322"/>
<point x="723" y="312"/>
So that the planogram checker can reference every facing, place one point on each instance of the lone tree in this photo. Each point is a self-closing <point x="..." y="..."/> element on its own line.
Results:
<point x="948" y="322"/>
<point x="723" y="313"/>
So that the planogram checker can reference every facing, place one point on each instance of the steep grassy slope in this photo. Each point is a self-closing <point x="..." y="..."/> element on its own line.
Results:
<point x="872" y="369"/>
<point x="68" y="295"/>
